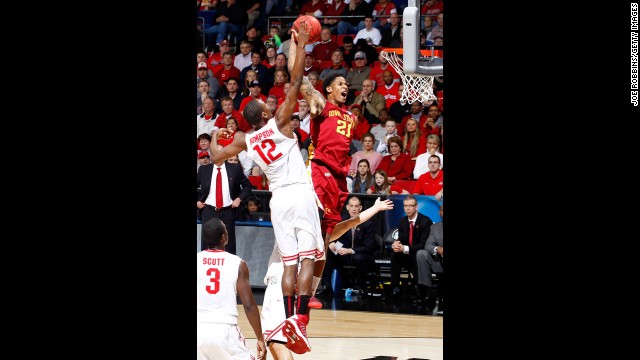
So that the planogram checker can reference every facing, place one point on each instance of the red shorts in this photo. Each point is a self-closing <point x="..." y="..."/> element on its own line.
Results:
<point x="332" y="192"/>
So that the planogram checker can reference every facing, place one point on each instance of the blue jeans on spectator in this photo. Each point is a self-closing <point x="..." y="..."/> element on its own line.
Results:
<point x="222" y="30"/>
<point x="345" y="28"/>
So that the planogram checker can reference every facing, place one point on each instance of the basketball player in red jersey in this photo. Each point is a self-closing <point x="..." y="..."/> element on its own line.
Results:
<point x="331" y="128"/>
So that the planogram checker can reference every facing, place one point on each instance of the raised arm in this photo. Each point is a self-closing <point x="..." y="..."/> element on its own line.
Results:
<point x="314" y="98"/>
<point x="296" y="54"/>
<point x="237" y="145"/>
<point x="345" y="225"/>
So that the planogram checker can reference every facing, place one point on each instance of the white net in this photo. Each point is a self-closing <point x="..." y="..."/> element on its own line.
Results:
<point x="416" y="87"/>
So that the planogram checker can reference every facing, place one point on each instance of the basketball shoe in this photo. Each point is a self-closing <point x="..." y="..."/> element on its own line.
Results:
<point x="295" y="330"/>
<point x="314" y="303"/>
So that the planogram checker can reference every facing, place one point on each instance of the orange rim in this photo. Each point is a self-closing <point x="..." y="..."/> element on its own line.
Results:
<point x="424" y="52"/>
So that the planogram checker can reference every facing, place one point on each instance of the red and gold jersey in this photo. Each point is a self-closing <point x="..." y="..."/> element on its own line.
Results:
<point x="331" y="134"/>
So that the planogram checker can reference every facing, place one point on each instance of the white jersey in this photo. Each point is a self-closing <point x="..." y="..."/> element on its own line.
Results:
<point x="217" y="280"/>
<point x="277" y="155"/>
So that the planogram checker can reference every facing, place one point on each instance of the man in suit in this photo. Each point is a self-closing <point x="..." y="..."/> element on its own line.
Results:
<point x="430" y="260"/>
<point x="236" y="188"/>
<point x="413" y="230"/>
<point x="359" y="247"/>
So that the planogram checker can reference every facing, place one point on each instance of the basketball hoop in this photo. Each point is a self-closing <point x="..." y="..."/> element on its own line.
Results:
<point x="417" y="87"/>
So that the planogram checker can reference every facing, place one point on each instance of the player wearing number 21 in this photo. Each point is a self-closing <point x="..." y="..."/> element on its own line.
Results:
<point x="296" y="224"/>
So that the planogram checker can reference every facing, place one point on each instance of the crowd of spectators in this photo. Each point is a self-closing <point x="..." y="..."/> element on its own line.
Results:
<point x="396" y="148"/>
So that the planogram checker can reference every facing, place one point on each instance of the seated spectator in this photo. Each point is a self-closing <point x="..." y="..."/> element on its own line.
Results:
<point x="270" y="58"/>
<point x="255" y="93"/>
<point x="357" y="75"/>
<point x="348" y="50"/>
<point x="253" y="204"/>
<point x="304" y="114"/>
<point x="381" y="12"/>
<point x="214" y="61"/>
<point x="336" y="67"/>
<point x="206" y="122"/>
<point x="373" y="158"/>
<point x="356" y="247"/>
<point x="352" y="25"/>
<point x="370" y="51"/>
<point x="369" y="33"/>
<point x="430" y="260"/>
<point x="231" y="91"/>
<point x="230" y="19"/>
<point x="335" y="10"/>
<point x="388" y="88"/>
<point x="248" y="79"/>
<point x="437" y="31"/>
<point x="363" y="179"/>
<point x="397" y="165"/>
<point x="322" y="51"/>
<point x="227" y="112"/>
<point x="413" y="231"/>
<point x="362" y="128"/>
<point x="370" y="100"/>
<point x="295" y="125"/>
<point x="390" y="131"/>
<point x="314" y="79"/>
<point x="313" y="8"/>
<point x="382" y="186"/>
<point x="227" y="70"/>
<point x="243" y="58"/>
<point x="256" y="66"/>
<point x="277" y="90"/>
<point x="413" y="141"/>
<point x="254" y="41"/>
<point x="431" y="182"/>
<point x="422" y="163"/>
<point x="416" y="114"/>
<point x="310" y="65"/>
<point x="392" y="31"/>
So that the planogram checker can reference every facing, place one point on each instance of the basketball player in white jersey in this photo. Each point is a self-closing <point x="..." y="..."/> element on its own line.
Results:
<point x="272" y="314"/>
<point x="222" y="275"/>
<point x="296" y="222"/>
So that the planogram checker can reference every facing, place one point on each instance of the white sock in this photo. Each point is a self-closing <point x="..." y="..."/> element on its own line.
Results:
<point x="314" y="285"/>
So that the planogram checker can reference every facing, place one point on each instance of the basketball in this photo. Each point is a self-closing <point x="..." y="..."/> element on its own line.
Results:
<point x="313" y="27"/>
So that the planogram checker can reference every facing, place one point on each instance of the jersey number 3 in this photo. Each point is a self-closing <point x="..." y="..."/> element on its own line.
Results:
<point x="214" y="277"/>
<point x="269" y="157"/>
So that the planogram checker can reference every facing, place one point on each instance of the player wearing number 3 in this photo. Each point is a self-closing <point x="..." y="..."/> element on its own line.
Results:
<point x="296" y="224"/>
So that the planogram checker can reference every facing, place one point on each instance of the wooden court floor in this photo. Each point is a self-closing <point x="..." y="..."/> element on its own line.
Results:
<point x="363" y="335"/>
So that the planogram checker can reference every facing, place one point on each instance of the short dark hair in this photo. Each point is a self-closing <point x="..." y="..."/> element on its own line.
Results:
<point x="329" y="80"/>
<point x="212" y="232"/>
<point x="253" y="112"/>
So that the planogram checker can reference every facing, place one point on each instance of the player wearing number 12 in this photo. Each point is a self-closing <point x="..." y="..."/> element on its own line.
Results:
<point x="296" y="224"/>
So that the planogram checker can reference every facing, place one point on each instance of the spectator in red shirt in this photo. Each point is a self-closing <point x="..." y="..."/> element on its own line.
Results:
<point x="431" y="182"/>
<point x="228" y="70"/>
<point x="228" y="111"/>
<point x="397" y="165"/>
<point x="322" y="51"/>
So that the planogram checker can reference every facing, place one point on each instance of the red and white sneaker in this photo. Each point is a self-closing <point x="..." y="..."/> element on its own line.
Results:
<point x="275" y="331"/>
<point x="314" y="303"/>
<point x="295" y="330"/>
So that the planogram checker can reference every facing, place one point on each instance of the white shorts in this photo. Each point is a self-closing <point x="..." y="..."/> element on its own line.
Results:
<point x="222" y="341"/>
<point x="272" y="314"/>
<point x="294" y="209"/>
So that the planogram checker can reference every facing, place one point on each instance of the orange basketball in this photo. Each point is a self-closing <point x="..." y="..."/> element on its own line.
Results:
<point x="313" y="27"/>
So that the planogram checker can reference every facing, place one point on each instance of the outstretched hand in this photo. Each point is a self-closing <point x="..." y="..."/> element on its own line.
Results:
<point x="383" y="204"/>
<point x="302" y="34"/>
